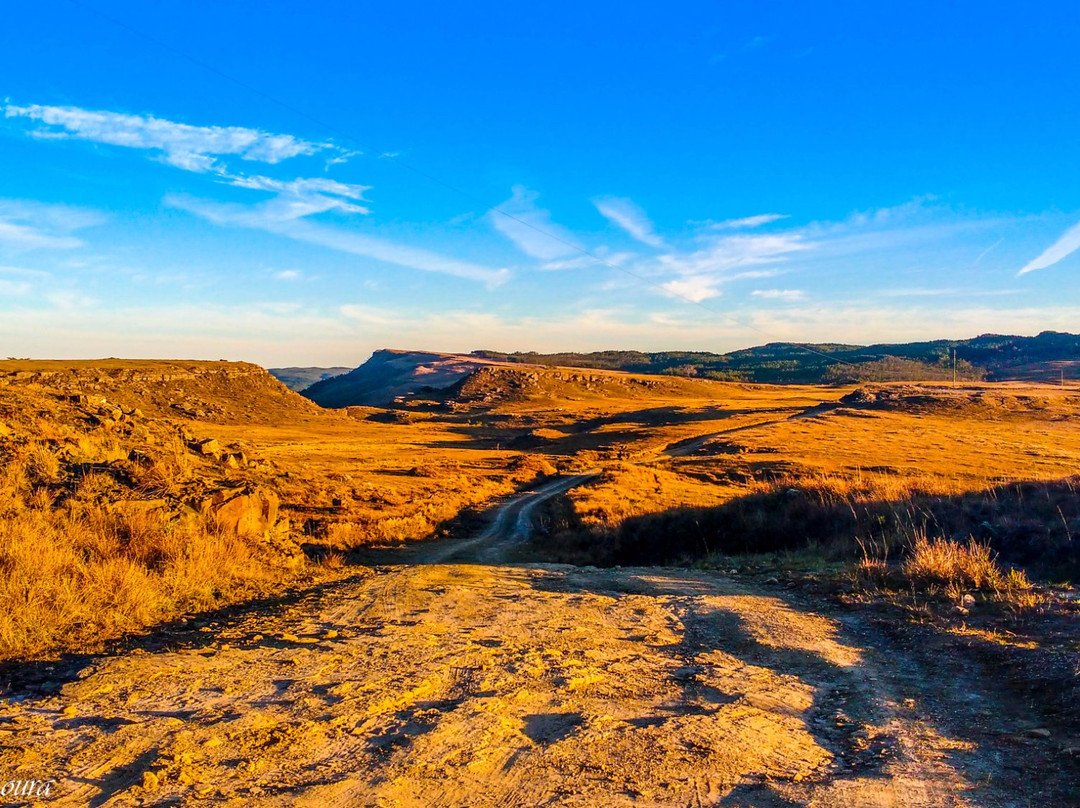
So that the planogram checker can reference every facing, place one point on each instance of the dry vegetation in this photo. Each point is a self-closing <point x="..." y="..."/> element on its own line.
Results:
<point x="136" y="492"/>
<point x="862" y="612"/>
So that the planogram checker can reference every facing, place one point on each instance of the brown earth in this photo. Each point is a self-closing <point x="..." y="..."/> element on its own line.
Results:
<point x="468" y="683"/>
<point x="463" y="671"/>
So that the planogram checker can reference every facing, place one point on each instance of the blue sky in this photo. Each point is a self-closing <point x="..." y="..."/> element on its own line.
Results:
<point x="744" y="172"/>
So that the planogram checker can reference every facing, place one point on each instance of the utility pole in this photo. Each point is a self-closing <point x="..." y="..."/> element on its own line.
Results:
<point x="954" y="367"/>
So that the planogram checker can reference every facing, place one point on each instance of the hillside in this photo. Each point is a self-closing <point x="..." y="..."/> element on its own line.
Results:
<point x="135" y="491"/>
<point x="389" y="374"/>
<point x="298" y="379"/>
<point x="995" y="357"/>
<point x="216" y="392"/>
<point x="192" y="539"/>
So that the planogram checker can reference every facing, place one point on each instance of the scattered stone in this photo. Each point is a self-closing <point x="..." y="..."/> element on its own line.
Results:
<point x="150" y="781"/>
<point x="208" y="447"/>
<point x="1038" y="732"/>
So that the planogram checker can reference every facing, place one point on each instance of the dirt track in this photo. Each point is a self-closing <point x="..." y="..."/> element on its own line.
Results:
<point x="455" y="681"/>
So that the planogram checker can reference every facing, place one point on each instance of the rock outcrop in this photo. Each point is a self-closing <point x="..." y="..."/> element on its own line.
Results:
<point x="245" y="512"/>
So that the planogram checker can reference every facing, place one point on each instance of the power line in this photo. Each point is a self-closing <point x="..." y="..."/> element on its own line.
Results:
<point x="488" y="208"/>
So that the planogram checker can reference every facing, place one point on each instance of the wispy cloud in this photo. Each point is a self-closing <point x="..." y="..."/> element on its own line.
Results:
<point x="748" y="222"/>
<point x="268" y="217"/>
<point x="531" y="227"/>
<point x="304" y="196"/>
<point x="26" y="224"/>
<point x="1066" y="245"/>
<point x="945" y="292"/>
<point x="192" y="148"/>
<point x="21" y="272"/>
<point x="277" y="334"/>
<point x="600" y="257"/>
<point x="17" y="281"/>
<point x="787" y="295"/>
<point x="722" y="254"/>
<point x="987" y="251"/>
<point x="631" y="218"/>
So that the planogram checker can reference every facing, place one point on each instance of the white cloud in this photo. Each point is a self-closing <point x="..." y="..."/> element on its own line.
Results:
<point x="276" y="336"/>
<point x="531" y="228"/>
<point x="631" y="218"/>
<point x="1066" y="245"/>
<point x="748" y="222"/>
<point x="23" y="273"/>
<point x="600" y="257"/>
<point x="304" y="196"/>
<point x="17" y="281"/>
<point x="192" y="148"/>
<point x="694" y="288"/>
<point x="725" y="253"/>
<point x="268" y="217"/>
<point x="788" y="295"/>
<point x="13" y="288"/>
<point x="26" y="224"/>
<point x="288" y="275"/>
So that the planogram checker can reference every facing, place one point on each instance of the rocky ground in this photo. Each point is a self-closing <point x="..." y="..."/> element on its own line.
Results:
<point x="452" y="678"/>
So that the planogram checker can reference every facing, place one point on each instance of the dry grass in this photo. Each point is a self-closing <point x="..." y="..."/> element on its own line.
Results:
<point x="74" y="576"/>
<point x="104" y="526"/>
<point x="969" y="565"/>
<point x="690" y="468"/>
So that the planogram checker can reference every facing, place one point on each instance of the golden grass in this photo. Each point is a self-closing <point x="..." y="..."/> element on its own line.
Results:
<point x="961" y="565"/>
<point x="74" y="576"/>
<point x="782" y="466"/>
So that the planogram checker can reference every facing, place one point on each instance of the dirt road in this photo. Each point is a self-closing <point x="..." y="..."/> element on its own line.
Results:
<point x="456" y="681"/>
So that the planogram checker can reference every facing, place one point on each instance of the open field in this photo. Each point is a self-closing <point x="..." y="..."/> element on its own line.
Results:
<point x="807" y="594"/>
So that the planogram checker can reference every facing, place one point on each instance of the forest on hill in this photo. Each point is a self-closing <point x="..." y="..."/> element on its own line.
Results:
<point x="989" y="356"/>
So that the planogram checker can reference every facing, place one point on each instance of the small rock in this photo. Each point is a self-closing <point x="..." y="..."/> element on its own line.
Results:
<point x="968" y="601"/>
<point x="150" y="781"/>
<point x="1038" y="732"/>
<point x="208" y="447"/>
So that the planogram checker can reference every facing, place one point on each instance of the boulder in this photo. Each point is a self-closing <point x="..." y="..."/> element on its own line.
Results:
<point x="208" y="447"/>
<point x="249" y="512"/>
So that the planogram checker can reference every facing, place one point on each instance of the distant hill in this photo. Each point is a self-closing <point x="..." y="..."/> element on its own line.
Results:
<point x="389" y="374"/>
<point x="991" y="356"/>
<point x="298" y="379"/>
